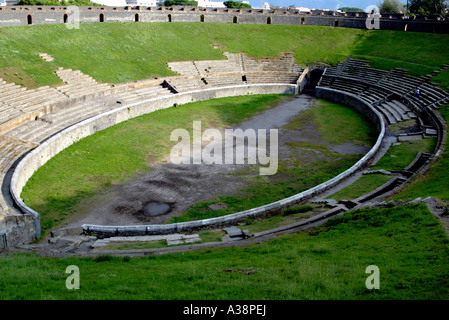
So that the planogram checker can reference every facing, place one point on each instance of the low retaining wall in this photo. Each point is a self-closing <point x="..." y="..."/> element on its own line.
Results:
<point x="48" y="149"/>
<point x="108" y="231"/>
<point x="18" y="229"/>
<point x="39" y="156"/>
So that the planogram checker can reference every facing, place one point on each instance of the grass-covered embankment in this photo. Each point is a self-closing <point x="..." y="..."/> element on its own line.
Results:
<point x="419" y="53"/>
<point x="407" y="243"/>
<point x="120" y="52"/>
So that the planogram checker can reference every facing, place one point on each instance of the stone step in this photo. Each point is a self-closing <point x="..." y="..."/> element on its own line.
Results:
<point x="398" y="116"/>
<point x="234" y="234"/>
<point x="8" y="114"/>
<point x="36" y="97"/>
<point x="11" y="92"/>
<point x="170" y="239"/>
<point x="9" y="154"/>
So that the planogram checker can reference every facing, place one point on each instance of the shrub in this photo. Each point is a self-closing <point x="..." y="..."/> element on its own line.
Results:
<point x="298" y="209"/>
<point x="169" y="3"/>
<point x="104" y="258"/>
<point x="236" y="4"/>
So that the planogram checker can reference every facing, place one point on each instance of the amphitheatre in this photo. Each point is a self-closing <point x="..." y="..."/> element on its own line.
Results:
<point x="67" y="115"/>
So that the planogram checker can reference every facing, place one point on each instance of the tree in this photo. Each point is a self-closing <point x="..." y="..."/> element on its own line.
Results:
<point x="169" y="3"/>
<point x="351" y="9"/>
<point x="427" y="7"/>
<point x="391" y="6"/>
<point x="236" y="4"/>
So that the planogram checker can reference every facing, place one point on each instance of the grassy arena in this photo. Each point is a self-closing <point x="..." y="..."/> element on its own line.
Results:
<point x="62" y="186"/>
<point x="407" y="243"/>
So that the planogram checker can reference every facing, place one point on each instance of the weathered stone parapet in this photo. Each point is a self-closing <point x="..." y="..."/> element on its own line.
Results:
<point x="32" y="15"/>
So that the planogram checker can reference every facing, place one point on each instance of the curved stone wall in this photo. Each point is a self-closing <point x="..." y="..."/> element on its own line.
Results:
<point x="35" y="159"/>
<point x="332" y="94"/>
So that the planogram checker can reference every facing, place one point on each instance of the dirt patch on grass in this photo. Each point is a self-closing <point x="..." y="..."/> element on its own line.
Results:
<point x="18" y="76"/>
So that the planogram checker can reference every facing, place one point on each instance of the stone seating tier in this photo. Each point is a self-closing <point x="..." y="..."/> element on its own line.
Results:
<point x="382" y="84"/>
<point x="74" y="76"/>
<point x="74" y="91"/>
<point x="224" y="80"/>
<point x="39" y="130"/>
<point x="400" y="88"/>
<point x="78" y="84"/>
<point x="186" y="68"/>
<point x="350" y="86"/>
<point x="374" y="95"/>
<point x="182" y="85"/>
<point x="272" y="77"/>
<point x="217" y="67"/>
<point x="433" y="91"/>
<point x="403" y="109"/>
<point x="9" y="152"/>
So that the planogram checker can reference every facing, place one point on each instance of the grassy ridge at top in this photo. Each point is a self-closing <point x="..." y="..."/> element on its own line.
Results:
<point x="120" y="52"/>
<point x="419" y="53"/>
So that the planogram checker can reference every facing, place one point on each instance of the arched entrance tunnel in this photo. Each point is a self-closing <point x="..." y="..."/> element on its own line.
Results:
<point x="314" y="77"/>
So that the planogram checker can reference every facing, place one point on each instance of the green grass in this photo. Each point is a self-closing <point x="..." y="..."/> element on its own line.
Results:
<point x="333" y="118"/>
<point x="435" y="182"/>
<point x="362" y="186"/>
<point x="407" y="243"/>
<point x="141" y="50"/>
<point x="417" y="52"/>
<point x="400" y="156"/>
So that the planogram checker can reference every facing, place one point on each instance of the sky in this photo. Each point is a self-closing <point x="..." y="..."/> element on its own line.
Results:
<point x="318" y="4"/>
